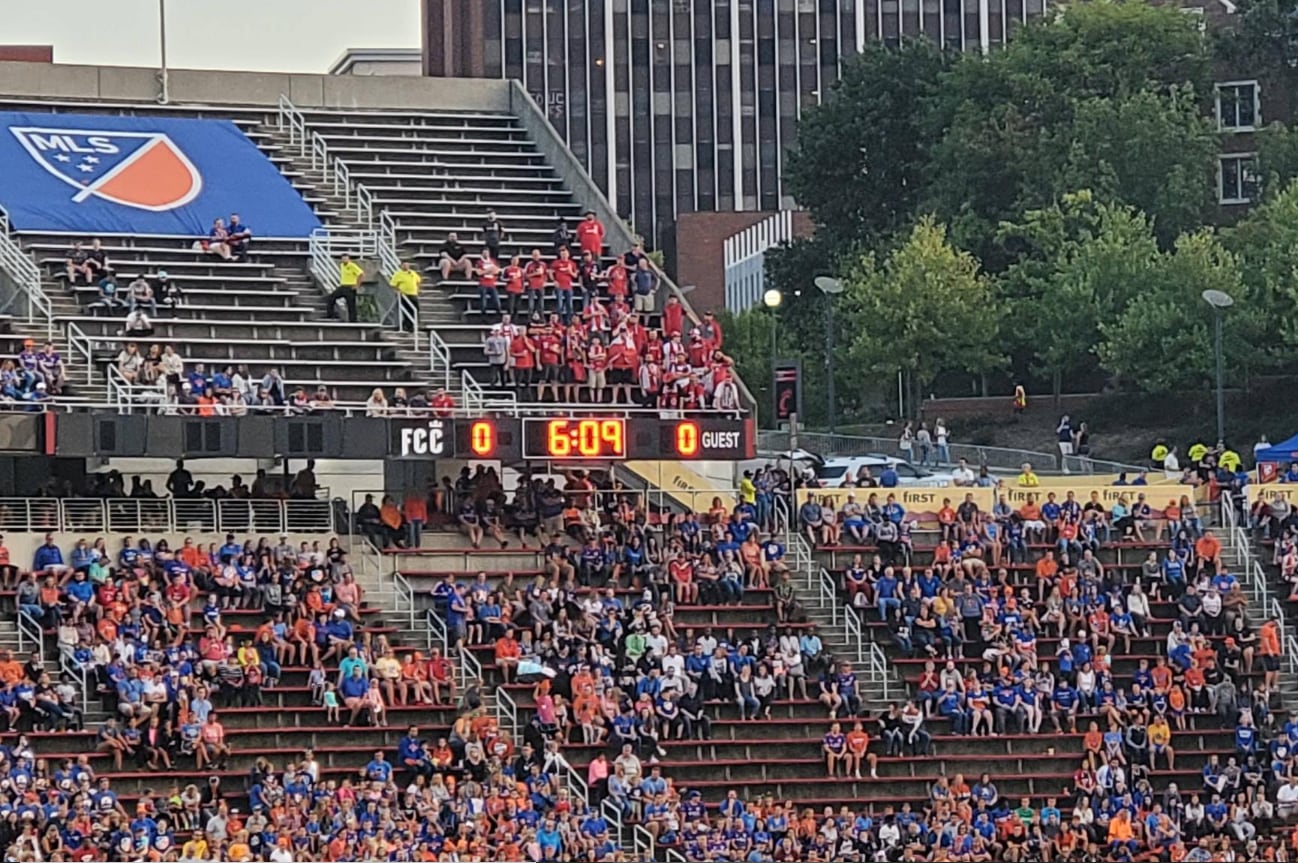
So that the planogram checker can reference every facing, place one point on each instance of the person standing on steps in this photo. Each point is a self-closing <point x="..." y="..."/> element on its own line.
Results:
<point x="349" y="277"/>
<point x="406" y="282"/>
<point x="493" y="234"/>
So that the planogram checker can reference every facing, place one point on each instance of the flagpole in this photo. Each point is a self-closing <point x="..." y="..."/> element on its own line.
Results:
<point x="165" y="96"/>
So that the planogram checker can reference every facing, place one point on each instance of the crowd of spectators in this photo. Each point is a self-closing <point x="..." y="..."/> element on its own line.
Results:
<point x="32" y="378"/>
<point x="122" y="617"/>
<point x="572" y="329"/>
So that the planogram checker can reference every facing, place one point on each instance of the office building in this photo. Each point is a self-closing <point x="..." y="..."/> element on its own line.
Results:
<point x="678" y="106"/>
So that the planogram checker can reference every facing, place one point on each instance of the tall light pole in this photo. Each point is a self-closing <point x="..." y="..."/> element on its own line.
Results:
<point x="165" y="95"/>
<point x="1220" y="301"/>
<point x="830" y="287"/>
<point x="772" y="299"/>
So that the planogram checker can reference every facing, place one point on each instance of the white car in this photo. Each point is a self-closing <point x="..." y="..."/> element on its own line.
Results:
<point x="831" y="472"/>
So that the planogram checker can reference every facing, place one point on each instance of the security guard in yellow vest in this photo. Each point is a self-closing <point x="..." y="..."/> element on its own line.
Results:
<point x="406" y="282"/>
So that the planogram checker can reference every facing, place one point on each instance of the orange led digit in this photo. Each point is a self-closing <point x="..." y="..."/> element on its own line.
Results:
<point x="588" y="438"/>
<point x="558" y="441"/>
<point x="687" y="439"/>
<point x="610" y="433"/>
<point x="482" y="438"/>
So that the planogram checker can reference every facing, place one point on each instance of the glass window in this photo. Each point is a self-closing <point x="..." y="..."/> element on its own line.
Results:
<point x="1237" y="106"/>
<point x="1238" y="179"/>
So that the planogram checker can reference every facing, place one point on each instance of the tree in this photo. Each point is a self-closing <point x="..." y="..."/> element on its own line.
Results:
<point x="1266" y="244"/>
<point x="858" y="165"/>
<point x="1163" y="341"/>
<point x="927" y="310"/>
<point x="1080" y="261"/>
<point x="1104" y="96"/>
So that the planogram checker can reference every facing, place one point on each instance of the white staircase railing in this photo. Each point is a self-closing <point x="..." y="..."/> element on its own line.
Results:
<point x="26" y="275"/>
<point x="31" y="636"/>
<point x="439" y="359"/>
<point x="81" y="345"/>
<point x="1251" y="573"/>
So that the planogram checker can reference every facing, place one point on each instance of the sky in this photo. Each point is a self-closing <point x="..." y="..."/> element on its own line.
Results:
<point x="262" y="35"/>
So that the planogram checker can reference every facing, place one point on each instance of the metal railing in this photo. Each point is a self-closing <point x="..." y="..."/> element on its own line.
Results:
<point x="404" y="598"/>
<point x="880" y="669"/>
<point x="81" y="345"/>
<point x="825" y="444"/>
<point x="165" y="515"/>
<point x="68" y="665"/>
<point x="1251" y="571"/>
<point x="327" y="246"/>
<point x="31" y="636"/>
<point x="26" y="275"/>
<point x="439" y="359"/>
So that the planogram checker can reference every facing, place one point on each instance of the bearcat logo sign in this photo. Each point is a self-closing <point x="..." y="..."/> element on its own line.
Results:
<point x="104" y="174"/>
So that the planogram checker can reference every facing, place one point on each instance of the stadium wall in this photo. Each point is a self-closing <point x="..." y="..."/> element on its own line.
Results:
<point x="140" y="84"/>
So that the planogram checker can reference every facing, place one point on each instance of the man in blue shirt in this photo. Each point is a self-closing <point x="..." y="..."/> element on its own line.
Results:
<point x="48" y="558"/>
<point x="378" y="770"/>
<point x="888" y="477"/>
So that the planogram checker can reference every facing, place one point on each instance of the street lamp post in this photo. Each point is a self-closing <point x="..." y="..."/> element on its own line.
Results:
<point x="1220" y="301"/>
<point x="772" y="299"/>
<point x="830" y="287"/>
<point x="164" y="95"/>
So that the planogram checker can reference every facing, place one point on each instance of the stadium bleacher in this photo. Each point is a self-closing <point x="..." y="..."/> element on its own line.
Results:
<point x="536" y="765"/>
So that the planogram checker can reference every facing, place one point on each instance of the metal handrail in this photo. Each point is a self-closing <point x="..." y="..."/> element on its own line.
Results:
<point x="31" y="636"/>
<point x="26" y="274"/>
<point x="880" y="668"/>
<point x="1250" y="570"/>
<point x="508" y="710"/>
<point x="991" y="456"/>
<point x="439" y="358"/>
<point x="165" y="515"/>
<point x="288" y="115"/>
<point x="471" y="392"/>
<point x="80" y="343"/>
<point x="69" y="665"/>
<point x="405" y="596"/>
<point x="386" y="231"/>
<point x="1291" y="652"/>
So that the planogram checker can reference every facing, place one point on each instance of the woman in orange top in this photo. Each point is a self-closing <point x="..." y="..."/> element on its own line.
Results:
<point x="946" y="519"/>
<point x="1268" y="647"/>
<point x="1047" y="568"/>
<point x="415" y="673"/>
<point x="1092" y="743"/>
<point x="1207" y="551"/>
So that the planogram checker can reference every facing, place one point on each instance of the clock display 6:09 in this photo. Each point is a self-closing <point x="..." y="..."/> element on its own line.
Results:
<point x="576" y="438"/>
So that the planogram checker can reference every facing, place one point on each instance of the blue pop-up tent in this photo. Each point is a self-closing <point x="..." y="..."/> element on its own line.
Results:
<point x="1285" y="451"/>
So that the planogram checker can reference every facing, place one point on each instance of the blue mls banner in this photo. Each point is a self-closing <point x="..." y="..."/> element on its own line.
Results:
<point x="89" y="174"/>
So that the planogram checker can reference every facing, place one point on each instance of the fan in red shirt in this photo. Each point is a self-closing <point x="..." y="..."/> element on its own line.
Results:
<point x="550" y="346"/>
<point x="565" y="273"/>
<point x="616" y="277"/>
<point x="441" y="403"/>
<point x="488" y="273"/>
<point x="590" y="234"/>
<point x="575" y="370"/>
<point x="673" y="316"/>
<point x="595" y="315"/>
<point x="535" y="275"/>
<point x="513" y="276"/>
<point x="622" y="361"/>
<point x="522" y="358"/>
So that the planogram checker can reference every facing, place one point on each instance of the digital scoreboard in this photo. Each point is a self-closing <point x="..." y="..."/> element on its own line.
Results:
<point x="590" y="438"/>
